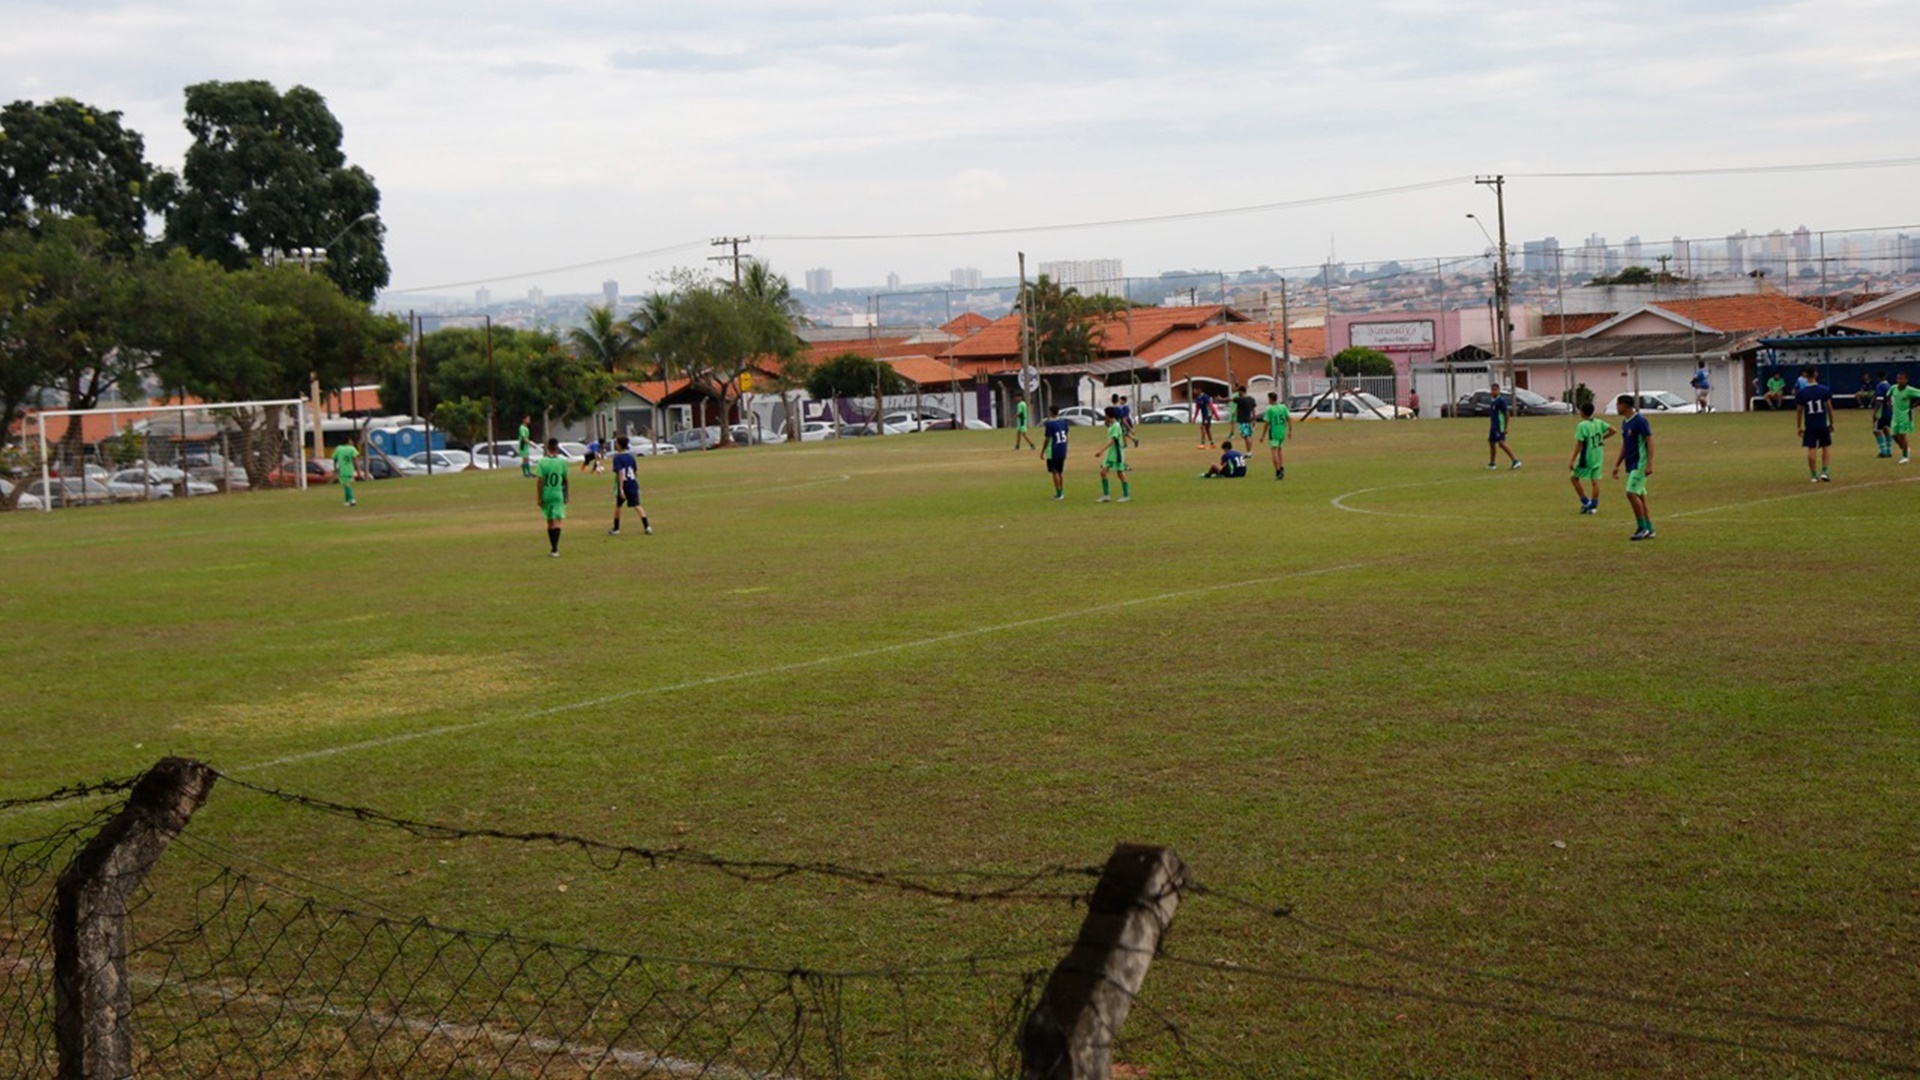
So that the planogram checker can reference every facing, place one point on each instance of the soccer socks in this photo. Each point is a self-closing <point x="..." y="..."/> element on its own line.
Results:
<point x="1105" y="489"/>
<point x="553" y="540"/>
<point x="1125" y="493"/>
<point x="646" y="527"/>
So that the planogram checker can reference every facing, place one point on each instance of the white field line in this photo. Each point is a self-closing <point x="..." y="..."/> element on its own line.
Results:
<point x="782" y="669"/>
<point x="1824" y="489"/>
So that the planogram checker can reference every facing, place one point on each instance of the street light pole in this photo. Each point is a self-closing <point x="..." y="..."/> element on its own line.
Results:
<point x="1502" y="284"/>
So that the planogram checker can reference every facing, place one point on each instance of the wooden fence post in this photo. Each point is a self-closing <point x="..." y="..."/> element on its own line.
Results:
<point x="93" y="1004"/>
<point x="1069" y="1034"/>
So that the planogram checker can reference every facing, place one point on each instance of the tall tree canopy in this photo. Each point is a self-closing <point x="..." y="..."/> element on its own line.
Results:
<point x="530" y="375"/>
<point x="711" y="332"/>
<point x="266" y="173"/>
<point x="1066" y="326"/>
<point x="65" y="159"/>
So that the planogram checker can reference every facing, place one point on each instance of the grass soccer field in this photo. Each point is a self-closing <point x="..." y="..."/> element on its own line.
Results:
<point x="1473" y="786"/>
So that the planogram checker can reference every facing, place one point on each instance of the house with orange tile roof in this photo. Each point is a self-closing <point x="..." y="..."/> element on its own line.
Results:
<point x="1878" y="337"/>
<point x="1661" y="344"/>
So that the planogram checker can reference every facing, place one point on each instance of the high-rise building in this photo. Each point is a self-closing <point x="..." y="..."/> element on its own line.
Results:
<point x="1682" y="256"/>
<point x="1091" y="276"/>
<point x="964" y="278"/>
<point x="1737" y="252"/>
<point x="1540" y="256"/>
<point x="482" y="298"/>
<point x="535" y="296"/>
<point x="1802" y="244"/>
<point x="893" y="282"/>
<point x="1632" y="252"/>
<point x="611" y="290"/>
<point x="820" y="280"/>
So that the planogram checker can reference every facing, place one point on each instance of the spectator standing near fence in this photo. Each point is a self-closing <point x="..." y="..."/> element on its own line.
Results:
<point x="1275" y="420"/>
<point x="346" y="465"/>
<point x="551" y="493"/>
<point x="1636" y="456"/>
<point x="1901" y="398"/>
<point x="1497" y="427"/>
<point x="1055" y="452"/>
<point x="626" y="487"/>
<point x="1589" y="456"/>
<point x="1882" y="415"/>
<point x="1113" y="459"/>
<point x="1813" y="411"/>
<point x="1702" y="389"/>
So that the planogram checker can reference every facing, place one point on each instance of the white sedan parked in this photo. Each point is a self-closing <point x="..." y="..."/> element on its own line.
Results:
<point x="1657" y="401"/>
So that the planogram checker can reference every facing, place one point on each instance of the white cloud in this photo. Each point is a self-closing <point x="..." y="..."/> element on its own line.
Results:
<point x="514" y="136"/>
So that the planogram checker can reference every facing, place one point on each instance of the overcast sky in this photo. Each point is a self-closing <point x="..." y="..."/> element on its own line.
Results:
<point x="511" y="138"/>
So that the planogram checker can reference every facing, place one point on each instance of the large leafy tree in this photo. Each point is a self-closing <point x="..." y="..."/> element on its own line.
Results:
<point x="1360" y="360"/>
<point x="64" y="159"/>
<point x="712" y="332"/>
<point x="264" y="333"/>
<point x="80" y="321"/>
<point x="529" y="374"/>
<point x="266" y="174"/>
<point x="851" y="375"/>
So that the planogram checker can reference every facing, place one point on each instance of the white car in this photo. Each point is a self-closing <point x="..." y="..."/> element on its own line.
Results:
<point x="1083" y="416"/>
<point x="641" y="446"/>
<point x="504" y="454"/>
<point x="812" y="431"/>
<point x="442" y="461"/>
<point x="1356" y="405"/>
<point x="1657" y="401"/>
<point x="163" y="475"/>
<point x="27" y="502"/>
<point x="1169" y="415"/>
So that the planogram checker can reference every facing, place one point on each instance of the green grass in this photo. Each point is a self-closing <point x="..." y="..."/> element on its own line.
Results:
<point x="1424" y="704"/>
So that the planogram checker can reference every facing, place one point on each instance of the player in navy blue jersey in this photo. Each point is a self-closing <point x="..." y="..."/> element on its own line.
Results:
<point x="1813" y="409"/>
<point x="1636" y="456"/>
<point x="626" y="488"/>
<point x="1054" y="449"/>
<point x="1497" y="427"/>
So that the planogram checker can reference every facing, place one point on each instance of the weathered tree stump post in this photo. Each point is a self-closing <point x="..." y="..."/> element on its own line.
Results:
<point x="93" y="1005"/>
<point x="1069" y="1034"/>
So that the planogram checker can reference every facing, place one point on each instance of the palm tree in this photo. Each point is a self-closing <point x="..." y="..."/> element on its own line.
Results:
<point x="603" y="339"/>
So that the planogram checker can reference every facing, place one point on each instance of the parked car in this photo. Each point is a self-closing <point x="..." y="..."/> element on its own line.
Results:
<point x="1520" y="402"/>
<point x="753" y="435"/>
<point x="379" y="467"/>
<point x="812" y="431"/>
<point x="700" y="438"/>
<point x="500" y="455"/>
<point x="69" y="491"/>
<point x="1657" y="401"/>
<point x="1083" y="416"/>
<point x="26" y="502"/>
<point x="318" y="472"/>
<point x="1171" y="414"/>
<point x="163" y="476"/>
<point x="442" y="461"/>
<point x="130" y="485"/>
<point x="641" y="446"/>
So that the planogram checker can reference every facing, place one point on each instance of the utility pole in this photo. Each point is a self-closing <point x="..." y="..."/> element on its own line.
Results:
<point x="1502" y="285"/>
<point x="732" y="242"/>
<point x="1286" y="343"/>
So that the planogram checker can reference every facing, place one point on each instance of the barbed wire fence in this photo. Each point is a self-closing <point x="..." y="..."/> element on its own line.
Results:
<point x="236" y="966"/>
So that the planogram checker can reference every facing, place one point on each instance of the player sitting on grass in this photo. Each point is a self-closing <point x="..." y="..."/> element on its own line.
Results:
<point x="1233" y="464"/>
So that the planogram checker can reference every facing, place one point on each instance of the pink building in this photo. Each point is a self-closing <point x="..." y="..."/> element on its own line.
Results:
<point x="1418" y="337"/>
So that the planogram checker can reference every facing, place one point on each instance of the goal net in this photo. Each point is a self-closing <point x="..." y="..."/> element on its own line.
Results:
<point x="125" y="453"/>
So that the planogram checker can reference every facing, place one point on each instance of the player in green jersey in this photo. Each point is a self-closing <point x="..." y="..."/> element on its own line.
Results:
<point x="1275" y="419"/>
<point x="345" y="465"/>
<point x="552" y="492"/>
<point x="526" y="446"/>
<point x="1020" y="424"/>
<point x="1902" y="398"/>
<point x="1589" y="456"/>
<point x="1113" y="458"/>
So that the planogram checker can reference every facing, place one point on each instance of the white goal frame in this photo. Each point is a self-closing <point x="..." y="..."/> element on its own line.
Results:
<point x="39" y="420"/>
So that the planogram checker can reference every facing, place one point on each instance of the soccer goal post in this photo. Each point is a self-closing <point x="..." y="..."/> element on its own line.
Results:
<point x="202" y="436"/>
